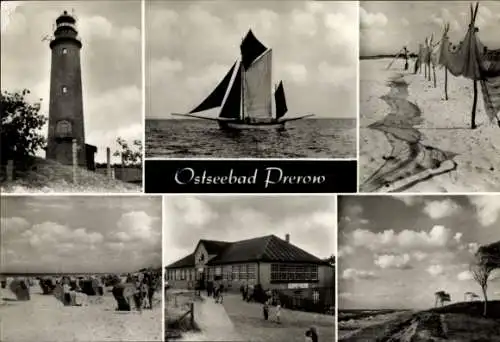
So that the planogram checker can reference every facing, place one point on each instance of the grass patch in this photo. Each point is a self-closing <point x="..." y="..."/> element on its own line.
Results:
<point x="43" y="175"/>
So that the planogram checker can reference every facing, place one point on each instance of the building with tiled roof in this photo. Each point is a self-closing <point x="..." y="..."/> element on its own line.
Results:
<point x="274" y="263"/>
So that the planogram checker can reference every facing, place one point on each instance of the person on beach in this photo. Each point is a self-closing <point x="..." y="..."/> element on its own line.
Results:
<point x="405" y="55"/>
<point x="151" y="285"/>
<point x="242" y="291"/>
<point x="66" y="292"/>
<point x="245" y="292"/>
<point x="250" y="293"/>
<point x="314" y="334"/>
<point x="221" y="293"/>
<point x="278" y="312"/>
<point x="308" y="336"/>
<point x="417" y="65"/>
<point x="265" y="310"/>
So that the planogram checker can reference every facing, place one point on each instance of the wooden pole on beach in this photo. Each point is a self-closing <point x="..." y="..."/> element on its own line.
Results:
<point x="434" y="75"/>
<point x="191" y="309"/>
<point x="108" y="162"/>
<point x="474" y="104"/>
<point x="75" y="161"/>
<point x="445" y="84"/>
<point x="10" y="170"/>
<point x="123" y="167"/>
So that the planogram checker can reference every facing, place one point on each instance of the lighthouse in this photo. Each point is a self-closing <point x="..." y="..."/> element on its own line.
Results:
<point x="66" y="120"/>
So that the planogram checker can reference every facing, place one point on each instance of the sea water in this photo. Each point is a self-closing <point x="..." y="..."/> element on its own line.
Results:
<point x="308" y="138"/>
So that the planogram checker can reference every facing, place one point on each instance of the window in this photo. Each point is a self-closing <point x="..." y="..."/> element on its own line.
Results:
<point x="64" y="89"/>
<point x="243" y="272"/>
<point x="251" y="272"/>
<point x="228" y="272"/>
<point x="298" y="273"/>
<point x="236" y="272"/>
<point x="63" y="129"/>
<point x="315" y="296"/>
<point x="64" y="51"/>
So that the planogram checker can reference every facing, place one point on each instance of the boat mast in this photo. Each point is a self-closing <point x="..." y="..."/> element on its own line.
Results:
<point x="242" y="91"/>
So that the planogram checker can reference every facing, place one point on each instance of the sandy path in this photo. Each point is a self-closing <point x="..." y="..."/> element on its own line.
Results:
<point x="44" y="318"/>
<point x="444" y="127"/>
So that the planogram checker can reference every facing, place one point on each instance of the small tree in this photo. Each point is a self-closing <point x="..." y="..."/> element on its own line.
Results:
<point x="131" y="154"/>
<point x="439" y="298"/>
<point x="20" y="122"/>
<point x="446" y="298"/>
<point x="485" y="260"/>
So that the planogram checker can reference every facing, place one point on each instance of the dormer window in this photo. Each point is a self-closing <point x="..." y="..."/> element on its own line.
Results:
<point x="64" y="51"/>
<point x="64" y="89"/>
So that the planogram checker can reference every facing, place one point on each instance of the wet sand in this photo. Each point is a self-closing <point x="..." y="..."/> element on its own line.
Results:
<point x="44" y="318"/>
<point x="406" y="128"/>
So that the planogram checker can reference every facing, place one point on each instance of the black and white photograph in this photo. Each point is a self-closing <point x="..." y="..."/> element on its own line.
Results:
<point x="251" y="79"/>
<point x="81" y="268"/>
<point x="249" y="268"/>
<point x="71" y="102"/>
<point x="429" y="96"/>
<point x="419" y="268"/>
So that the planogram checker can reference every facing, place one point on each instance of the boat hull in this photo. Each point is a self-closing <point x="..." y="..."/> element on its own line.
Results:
<point x="246" y="126"/>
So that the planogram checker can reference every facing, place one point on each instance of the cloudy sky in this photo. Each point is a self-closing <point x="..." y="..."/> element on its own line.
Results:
<point x="396" y="252"/>
<point x="387" y="26"/>
<point x="310" y="221"/>
<point x="80" y="234"/>
<point x="110" y="58"/>
<point x="190" y="46"/>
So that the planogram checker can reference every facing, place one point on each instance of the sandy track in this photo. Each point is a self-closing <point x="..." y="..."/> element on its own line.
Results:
<point x="44" y="318"/>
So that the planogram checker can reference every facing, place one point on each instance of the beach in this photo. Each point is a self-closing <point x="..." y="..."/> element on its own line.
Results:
<point x="439" y="126"/>
<point x="44" y="318"/>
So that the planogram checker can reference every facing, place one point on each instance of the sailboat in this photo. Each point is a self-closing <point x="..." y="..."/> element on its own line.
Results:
<point x="245" y="93"/>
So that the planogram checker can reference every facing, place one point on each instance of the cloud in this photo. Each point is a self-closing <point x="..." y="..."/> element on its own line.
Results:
<point x="48" y="235"/>
<point x="419" y="255"/>
<point x="297" y="72"/>
<point x="12" y="225"/>
<point x="435" y="270"/>
<point x="487" y="209"/>
<point x="438" y="237"/>
<point x="371" y="20"/>
<point x="440" y="209"/>
<point x="408" y="200"/>
<point x="10" y="17"/>
<point x="136" y="225"/>
<point x="352" y="273"/>
<point x="393" y="261"/>
<point x="193" y="211"/>
<point x="345" y="251"/>
<point x="472" y="247"/>
<point x="465" y="275"/>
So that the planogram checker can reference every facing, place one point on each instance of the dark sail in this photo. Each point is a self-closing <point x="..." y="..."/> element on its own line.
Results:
<point x="279" y="97"/>
<point x="251" y="48"/>
<point x="217" y="96"/>
<point x="232" y="107"/>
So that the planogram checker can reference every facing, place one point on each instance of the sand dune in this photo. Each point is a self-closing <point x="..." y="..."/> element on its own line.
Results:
<point x="44" y="318"/>
<point x="441" y="126"/>
<point x="455" y="322"/>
